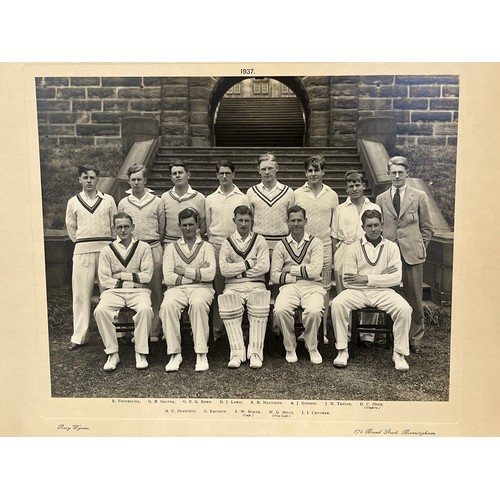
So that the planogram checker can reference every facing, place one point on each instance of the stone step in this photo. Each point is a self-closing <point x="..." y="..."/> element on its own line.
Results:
<point x="251" y="151"/>
<point x="251" y="166"/>
<point x="202" y="161"/>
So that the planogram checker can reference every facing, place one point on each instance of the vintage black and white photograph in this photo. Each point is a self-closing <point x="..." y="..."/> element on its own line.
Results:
<point x="249" y="237"/>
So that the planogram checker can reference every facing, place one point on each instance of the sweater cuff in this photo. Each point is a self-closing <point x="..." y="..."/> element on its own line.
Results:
<point x="190" y="272"/>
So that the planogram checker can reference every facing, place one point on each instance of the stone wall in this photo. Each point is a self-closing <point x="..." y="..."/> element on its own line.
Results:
<point x="425" y="107"/>
<point x="88" y="110"/>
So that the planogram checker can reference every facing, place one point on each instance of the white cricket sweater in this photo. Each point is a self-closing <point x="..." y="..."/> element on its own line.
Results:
<point x="306" y="265"/>
<point x="270" y="211"/>
<point x="136" y="261"/>
<point x="199" y="264"/>
<point x="173" y="205"/>
<point x="90" y="223"/>
<point x="219" y="210"/>
<point x="319" y="211"/>
<point x="363" y="258"/>
<point x="148" y="215"/>
<point x="241" y="262"/>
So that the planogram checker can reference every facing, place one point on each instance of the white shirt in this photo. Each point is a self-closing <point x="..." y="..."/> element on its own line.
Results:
<point x="297" y="246"/>
<point x="278" y="186"/>
<point x="183" y="243"/>
<point x="324" y="189"/>
<point x="140" y="201"/>
<point x="190" y="191"/>
<point x="89" y="200"/>
<point x="234" y="191"/>
<point x="240" y="240"/>
<point x="346" y="226"/>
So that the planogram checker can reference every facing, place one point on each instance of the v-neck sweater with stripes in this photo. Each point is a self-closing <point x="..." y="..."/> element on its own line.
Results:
<point x="307" y="265"/>
<point x="173" y="205"/>
<point x="90" y="226"/>
<point x="241" y="263"/>
<point x="148" y="217"/>
<point x="374" y="263"/>
<point x="178" y="254"/>
<point x="137" y="263"/>
<point x="270" y="211"/>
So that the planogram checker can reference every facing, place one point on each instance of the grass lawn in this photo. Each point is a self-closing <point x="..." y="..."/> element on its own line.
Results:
<point x="59" y="175"/>
<point x="369" y="376"/>
<point x="436" y="165"/>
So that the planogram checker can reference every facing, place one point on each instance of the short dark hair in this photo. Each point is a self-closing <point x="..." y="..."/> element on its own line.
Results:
<point x="317" y="161"/>
<point x="187" y="213"/>
<point x="83" y="169"/>
<point x="135" y="168"/>
<point x="243" y="210"/>
<point x="354" y="176"/>
<point x="122" y="215"/>
<point x="178" y="163"/>
<point x="295" y="209"/>
<point x="224" y="163"/>
<point x="370" y="214"/>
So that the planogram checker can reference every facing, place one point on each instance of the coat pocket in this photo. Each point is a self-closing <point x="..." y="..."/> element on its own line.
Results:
<point x="420" y="250"/>
<point x="412" y="216"/>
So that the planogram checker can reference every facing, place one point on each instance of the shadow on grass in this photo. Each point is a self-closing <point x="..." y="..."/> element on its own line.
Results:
<point x="369" y="376"/>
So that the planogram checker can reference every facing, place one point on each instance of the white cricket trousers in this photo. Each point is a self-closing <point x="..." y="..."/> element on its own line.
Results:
<point x="138" y="299"/>
<point x="82" y="283"/>
<point x="384" y="299"/>
<point x="175" y="300"/>
<point x="156" y="290"/>
<point x="338" y="266"/>
<point x="311" y="299"/>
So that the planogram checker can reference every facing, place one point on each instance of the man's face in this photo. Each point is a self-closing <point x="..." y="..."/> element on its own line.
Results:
<point x="137" y="182"/>
<point x="268" y="170"/>
<point x="179" y="176"/>
<point x="123" y="228"/>
<point x="372" y="228"/>
<point x="243" y="224"/>
<point x="296" y="223"/>
<point x="314" y="175"/>
<point x="225" y="176"/>
<point x="88" y="181"/>
<point x="398" y="174"/>
<point x="188" y="228"/>
<point x="355" y="189"/>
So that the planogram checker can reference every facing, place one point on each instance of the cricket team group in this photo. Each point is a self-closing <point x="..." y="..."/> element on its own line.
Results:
<point x="225" y="251"/>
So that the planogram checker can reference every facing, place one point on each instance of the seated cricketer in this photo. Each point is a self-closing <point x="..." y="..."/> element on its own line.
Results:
<point x="372" y="266"/>
<point x="244" y="261"/>
<point x="296" y="266"/>
<point x="188" y="272"/>
<point x="125" y="270"/>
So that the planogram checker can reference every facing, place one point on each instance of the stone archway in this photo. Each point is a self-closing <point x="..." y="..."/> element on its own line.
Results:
<point x="222" y="85"/>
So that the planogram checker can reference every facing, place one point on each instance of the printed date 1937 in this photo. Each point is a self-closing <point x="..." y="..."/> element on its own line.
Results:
<point x="247" y="71"/>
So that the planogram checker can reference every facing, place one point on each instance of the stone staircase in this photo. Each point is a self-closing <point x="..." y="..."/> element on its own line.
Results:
<point x="265" y="122"/>
<point x="202" y="163"/>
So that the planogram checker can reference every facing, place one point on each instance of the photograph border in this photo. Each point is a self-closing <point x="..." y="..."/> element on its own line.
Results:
<point x="434" y="419"/>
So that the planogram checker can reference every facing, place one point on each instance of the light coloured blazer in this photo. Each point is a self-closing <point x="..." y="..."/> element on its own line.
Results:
<point x="413" y="229"/>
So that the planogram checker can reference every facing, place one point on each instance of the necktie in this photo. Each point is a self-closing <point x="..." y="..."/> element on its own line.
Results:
<point x="397" y="201"/>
